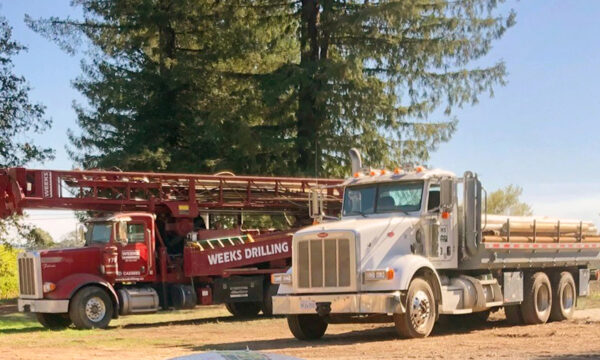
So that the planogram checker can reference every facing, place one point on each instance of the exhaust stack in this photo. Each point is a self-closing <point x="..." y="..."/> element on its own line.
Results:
<point x="356" y="160"/>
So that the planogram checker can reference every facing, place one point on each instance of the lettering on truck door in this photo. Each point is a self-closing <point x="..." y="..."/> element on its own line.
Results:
<point x="133" y="256"/>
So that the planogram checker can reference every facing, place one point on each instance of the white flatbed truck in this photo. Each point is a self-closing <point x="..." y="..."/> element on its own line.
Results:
<point x="411" y="245"/>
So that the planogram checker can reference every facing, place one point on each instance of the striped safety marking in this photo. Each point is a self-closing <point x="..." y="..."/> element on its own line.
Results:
<point x="542" y="246"/>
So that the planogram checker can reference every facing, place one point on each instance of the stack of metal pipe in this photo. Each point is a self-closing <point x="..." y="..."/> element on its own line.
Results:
<point x="501" y="228"/>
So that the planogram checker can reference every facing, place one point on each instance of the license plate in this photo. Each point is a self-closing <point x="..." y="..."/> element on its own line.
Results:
<point x="308" y="305"/>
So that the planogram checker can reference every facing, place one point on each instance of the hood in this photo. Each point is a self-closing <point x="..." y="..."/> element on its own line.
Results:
<point x="59" y="263"/>
<point x="377" y="237"/>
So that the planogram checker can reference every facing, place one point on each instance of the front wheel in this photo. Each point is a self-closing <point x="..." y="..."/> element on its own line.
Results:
<point x="420" y="315"/>
<point x="307" y="327"/>
<point x="54" y="321"/>
<point x="91" y="308"/>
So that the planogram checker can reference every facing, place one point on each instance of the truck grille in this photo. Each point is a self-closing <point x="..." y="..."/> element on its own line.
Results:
<point x="30" y="284"/>
<point x="324" y="263"/>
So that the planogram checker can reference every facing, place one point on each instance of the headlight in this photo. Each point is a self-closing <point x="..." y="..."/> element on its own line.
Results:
<point x="281" y="278"/>
<point x="48" y="287"/>
<point x="381" y="274"/>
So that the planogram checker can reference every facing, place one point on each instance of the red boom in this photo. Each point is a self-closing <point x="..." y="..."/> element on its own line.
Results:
<point x="179" y="195"/>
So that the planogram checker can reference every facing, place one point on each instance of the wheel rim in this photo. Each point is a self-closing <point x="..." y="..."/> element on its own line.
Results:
<point x="568" y="297"/>
<point x="543" y="299"/>
<point x="95" y="309"/>
<point x="420" y="311"/>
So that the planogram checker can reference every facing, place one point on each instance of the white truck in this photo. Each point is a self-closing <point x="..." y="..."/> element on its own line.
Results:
<point x="411" y="245"/>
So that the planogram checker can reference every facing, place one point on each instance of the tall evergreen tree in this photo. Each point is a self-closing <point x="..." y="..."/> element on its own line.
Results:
<point x="275" y="86"/>
<point x="370" y="73"/>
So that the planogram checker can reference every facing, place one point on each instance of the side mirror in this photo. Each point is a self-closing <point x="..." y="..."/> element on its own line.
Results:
<point x="81" y="231"/>
<point x="446" y="193"/>
<point x="122" y="232"/>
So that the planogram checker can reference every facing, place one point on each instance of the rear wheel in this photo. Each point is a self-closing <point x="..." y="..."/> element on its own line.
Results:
<point x="564" y="296"/>
<point x="243" y="309"/>
<point x="537" y="299"/>
<point x="91" y="308"/>
<point x="307" y="327"/>
<point x="54" y="321"/>
<point x="267" y="304"/>
<point x="420" y="315"/>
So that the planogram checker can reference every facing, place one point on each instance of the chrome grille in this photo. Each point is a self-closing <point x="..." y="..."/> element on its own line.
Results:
<point x="324" y="263"/>
<point x="29" y="275"/>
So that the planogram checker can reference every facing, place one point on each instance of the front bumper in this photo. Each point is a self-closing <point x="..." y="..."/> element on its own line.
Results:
<point x="364" y="303"/>
<point x="43" y="306"/>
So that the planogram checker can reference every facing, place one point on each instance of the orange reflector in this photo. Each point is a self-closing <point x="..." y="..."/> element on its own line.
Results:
<point x="397" y="170"/>
<point x="372" y="173"/>
<point x="383" y="172"/>
<point x="356" y="175"/>
<point x="419" y="169"/>
<point x="389" y="274"/>
<point x="445" y="215"/>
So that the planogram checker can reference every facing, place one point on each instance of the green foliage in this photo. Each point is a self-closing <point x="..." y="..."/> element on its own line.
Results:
<point x="8" y="272"/>
<point x="506" y="202"/>
<point x="39" y="239"/>
<point x="274" y="86"/>
<point x="72" y="239"/>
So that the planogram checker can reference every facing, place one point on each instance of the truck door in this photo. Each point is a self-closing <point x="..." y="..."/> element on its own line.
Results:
<point x="441" y="226"/>
<point x="133" y="240"/>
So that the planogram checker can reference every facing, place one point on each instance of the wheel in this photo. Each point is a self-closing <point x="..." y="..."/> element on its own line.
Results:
<point x="243" y="309"/>
<point x="420" y="315"/>
<point x="307" y="326"/>
<point x="564" y="295"/>
<point x="90" y="308"/>
<point x="513" y="314"/>
<point x="267" y="304"/>
<point x="54" y="321"/>
<point x="537" y="299"/>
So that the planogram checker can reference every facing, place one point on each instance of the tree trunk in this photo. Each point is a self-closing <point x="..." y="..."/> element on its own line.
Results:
<point x="308" y="118"/>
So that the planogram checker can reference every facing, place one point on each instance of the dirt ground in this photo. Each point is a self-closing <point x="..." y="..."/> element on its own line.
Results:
<point x="166" y="335"/>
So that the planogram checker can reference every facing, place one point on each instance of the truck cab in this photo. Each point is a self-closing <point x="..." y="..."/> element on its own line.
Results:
<point x="411" y="245"/>
<point x="118" y="249"/>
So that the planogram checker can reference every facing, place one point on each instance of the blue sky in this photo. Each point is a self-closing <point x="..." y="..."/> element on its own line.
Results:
<point x="541" y="131"/>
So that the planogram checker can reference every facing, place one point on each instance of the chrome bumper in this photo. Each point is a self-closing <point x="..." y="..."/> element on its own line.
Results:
<point x="43" y="306"/>
<point x="366" y="303"/>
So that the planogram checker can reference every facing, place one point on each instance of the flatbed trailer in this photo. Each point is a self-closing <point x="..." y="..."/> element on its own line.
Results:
<point x="150" y="244"/>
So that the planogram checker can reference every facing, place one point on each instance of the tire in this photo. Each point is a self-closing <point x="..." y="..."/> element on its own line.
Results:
<point x="307" y="326"/>
<point x="54" y="321"/>
<point x="267" y="303"/>
<point x="564" y="296"/>
<point x="537" y="299"/>
<point x="243" y="309"/>
<point x="420" y="315"/>
<point x="91" y="308"/>
<point x="513" y="314"/>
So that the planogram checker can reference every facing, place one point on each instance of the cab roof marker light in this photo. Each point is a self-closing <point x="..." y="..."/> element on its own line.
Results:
<point x="383" y="172"/>
<point x="397" y="170"/>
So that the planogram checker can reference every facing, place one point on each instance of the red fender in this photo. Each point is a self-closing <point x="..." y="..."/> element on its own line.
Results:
<point x="67" y="287"/>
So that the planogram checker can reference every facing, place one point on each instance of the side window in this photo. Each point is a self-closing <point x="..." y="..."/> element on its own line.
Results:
<point x="433" y="202"/>
<point x="135" y="233"/>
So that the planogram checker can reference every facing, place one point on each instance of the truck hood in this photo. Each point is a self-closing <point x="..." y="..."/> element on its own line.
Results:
<point x="59" y="263"/>
<point x="379" y="239"/>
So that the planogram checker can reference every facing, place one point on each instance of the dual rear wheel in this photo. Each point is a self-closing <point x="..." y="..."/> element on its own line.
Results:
<point x="544" y="299"/>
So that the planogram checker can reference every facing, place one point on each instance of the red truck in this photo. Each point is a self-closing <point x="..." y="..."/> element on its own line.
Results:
<point x="152" y="245"/>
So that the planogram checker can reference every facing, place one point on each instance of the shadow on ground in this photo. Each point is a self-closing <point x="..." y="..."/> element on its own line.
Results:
<point x="383" y="332"/>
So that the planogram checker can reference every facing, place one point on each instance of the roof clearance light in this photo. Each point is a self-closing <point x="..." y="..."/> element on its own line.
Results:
<point x="372" y="173"/>
<point x="397" y="170"/>
<point x="356" y="175"/>
<point x="383" y="172"/>
<point x="420" y="169"/>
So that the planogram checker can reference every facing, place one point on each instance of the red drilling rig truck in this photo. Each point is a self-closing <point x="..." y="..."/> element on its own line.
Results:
<point x="152" y="242"/>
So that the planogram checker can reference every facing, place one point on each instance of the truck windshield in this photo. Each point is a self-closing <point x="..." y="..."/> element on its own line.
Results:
<point x="382" y="198"/>
<point x="98" y="233"/>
